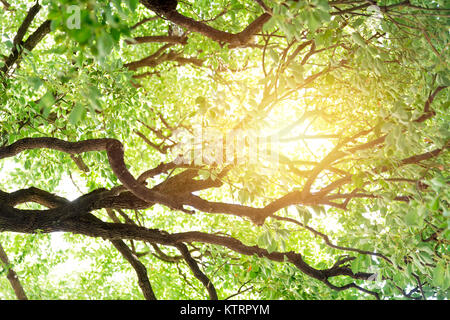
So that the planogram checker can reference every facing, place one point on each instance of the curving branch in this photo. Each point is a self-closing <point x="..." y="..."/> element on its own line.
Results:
<point x="167" y="9"/>
<point x="141" y="270"/>
<point x="34" y="10"/>
<point x="152" y="39"/>
<point x="427" y="112"/>
<point x="196" y="271"/>
<point x="29" y="45"/>
<point x="28" y="221"/>
<point x="264" y="6"/>
<point x="174" y="197"/>
<point x="328" y="241"/>
<point x="115" y="152"/>
<point x="410" y="160"/>
<point x="143" y="21"/>
<point x="32" y="194"/>
<point x="6" y="4"/>
<point x="52" y="201"/>
<point x="159" y="57"/>
<point x="337" y="154"/>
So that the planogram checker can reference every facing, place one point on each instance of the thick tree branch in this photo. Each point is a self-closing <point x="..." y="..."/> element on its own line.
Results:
<point x="28" y="221"/>
<point x="52" y="201"/>
<point x="158" y="58"/>
<point x="29" y="45"/>
<point x="140" y="269"/>
<point x="197" y="272"/>
<point x="26" y="23"/>
<point x="5" y="4"/>
<point x="241" y="38"/>
<point x="115" y="152"/>
<point x="153" y="39"/>
<point x="427" y="112"/>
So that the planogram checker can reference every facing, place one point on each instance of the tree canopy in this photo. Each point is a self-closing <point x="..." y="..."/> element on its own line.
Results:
<point x="226" y="149"/>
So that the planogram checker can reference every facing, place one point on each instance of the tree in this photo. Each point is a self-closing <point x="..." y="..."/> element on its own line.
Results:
<point x="224" y="149"/>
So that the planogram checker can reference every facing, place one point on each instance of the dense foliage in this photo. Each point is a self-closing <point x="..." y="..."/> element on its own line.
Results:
<point x="224" y="149"/>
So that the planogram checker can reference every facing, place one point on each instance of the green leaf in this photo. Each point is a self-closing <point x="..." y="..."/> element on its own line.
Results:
<point x="304" y="214"/>
<point x="105" y="45"/>
<point x="81" y="35"/>
<point x="273" y="246"/>
<point x="442" y="79"/>
<point x="263" y="239"/>
<point x="202" y="104"/>
<point x="46" y="102"/>
<point x="435" y="204"/>
<point x="324" y="16"/>
<point x="358" y="180"/>
<point x="356" y="264"/>
<point x="323" y="5"/>
<point x="243" y="195"/>
<point x="313" y="21"/>
<point x="438" y="182"/>
<point x="35" y="82"/>
<point x="439" y="274"/>
<point x="411" y="218"/>
<point x="318" y="210"/>
<point x="297" y="71"/>
<point x="358" y="39"/>
<point x="446" y="213"/>
<point x="357" y="22"/>
<point x="76" y="114"/>
<point x="9" y="44"/>
<point x="132" y="4"/>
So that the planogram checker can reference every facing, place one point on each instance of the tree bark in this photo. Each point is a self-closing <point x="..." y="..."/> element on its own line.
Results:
<point x="12" y="276"/>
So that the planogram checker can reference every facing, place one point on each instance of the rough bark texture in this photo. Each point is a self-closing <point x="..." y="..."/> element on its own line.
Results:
<point x="12" y="276"/>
